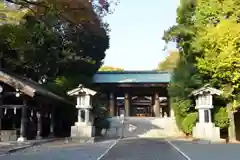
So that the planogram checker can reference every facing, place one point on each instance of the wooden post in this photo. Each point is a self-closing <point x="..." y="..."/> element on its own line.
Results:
<point x="127" y="104"/>
<point x="23" y="133"/>
<point x="39" y="124"/>
<point x="152" y="105"/>
<point x="111" y="104"/>
<point x="52" y="122"/>
<point x="157" y="106"/>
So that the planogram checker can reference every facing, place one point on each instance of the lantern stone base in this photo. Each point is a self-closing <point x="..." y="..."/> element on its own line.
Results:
<point x="206" y="131"/>
<point x="83" y="132"/>
<point x="21" y="139"/>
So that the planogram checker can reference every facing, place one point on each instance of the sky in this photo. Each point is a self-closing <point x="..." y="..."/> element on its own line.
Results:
<point x="137" y="27"/>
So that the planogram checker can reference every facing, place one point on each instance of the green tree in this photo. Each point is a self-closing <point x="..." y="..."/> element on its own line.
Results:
<point x="185" y="77"/>
<point x="8" y="15"/>
<point x="170" y="63"/>
<point x="218" y="42"/>
<point x="51" y="47"/>
<point x="110" y="68"/>
<point x="56" y="43"/>
<point x="207" y="38"/>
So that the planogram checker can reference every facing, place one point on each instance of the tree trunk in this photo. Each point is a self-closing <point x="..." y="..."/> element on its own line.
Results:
<point x="231" y="128"/>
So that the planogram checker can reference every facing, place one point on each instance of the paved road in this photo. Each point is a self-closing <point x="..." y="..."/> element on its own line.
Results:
<point x="143" y="149"/>
<point x="61" y="152"/>
<point x="129" y="149"/>
<point x="140" y="125"/>
<point x="200" y="151"/>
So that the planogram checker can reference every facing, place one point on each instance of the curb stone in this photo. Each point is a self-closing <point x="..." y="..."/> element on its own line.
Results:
<point x="26" y="146"/>
<point x="19" y="149"/>
<point x="13" y="150"/>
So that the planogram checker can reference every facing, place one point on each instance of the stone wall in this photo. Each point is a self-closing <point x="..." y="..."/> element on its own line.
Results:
<point x="8" y="135"/>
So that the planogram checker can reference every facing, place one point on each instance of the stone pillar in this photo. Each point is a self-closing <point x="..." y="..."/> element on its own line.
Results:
<point x="203" y="114"/>
<point x="23" y="133"/>
<point x="111" y="104"/>
<point x="127" y="104"/>
<point x="157" y="111"/>
<point x="80" y="115"/>
<point x="39" y="124"/>
<point x="210" y="116"/>
<point x="87" y="116"/>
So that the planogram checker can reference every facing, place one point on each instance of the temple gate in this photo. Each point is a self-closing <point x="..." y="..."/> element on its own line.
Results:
<point x="138" y="93"/>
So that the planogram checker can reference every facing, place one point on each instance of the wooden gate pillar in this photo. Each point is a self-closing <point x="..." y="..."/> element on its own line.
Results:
<point x="157" y="110"/>
<point x="127" y="104"/>
<point x="112" y="102"/>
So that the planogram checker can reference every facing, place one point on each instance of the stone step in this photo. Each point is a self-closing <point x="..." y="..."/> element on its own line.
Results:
<point x="82" y="139"/>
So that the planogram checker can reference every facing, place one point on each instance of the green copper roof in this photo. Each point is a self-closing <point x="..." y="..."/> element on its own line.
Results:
<point x="132" y="77"/>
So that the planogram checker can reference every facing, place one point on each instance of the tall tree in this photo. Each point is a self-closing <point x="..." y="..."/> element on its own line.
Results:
<point x="218" y="42"/>
<point x="185" y="77"/>
<point x="58" y="43"/>
<point x="170" y="63"/>
<point x="207" y="38"/>
<point x="53" y="47"/>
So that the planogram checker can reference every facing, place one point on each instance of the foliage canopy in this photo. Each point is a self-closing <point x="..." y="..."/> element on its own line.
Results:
<point x="207" y="37"/>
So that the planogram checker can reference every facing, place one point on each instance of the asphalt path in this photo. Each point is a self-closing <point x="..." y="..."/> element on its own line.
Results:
<point x="130" y="149"/>
<point x="125" y="149"/>
<point x="203" y="151"/>
<point x="143" y="149"/>
<point x="57" y="151"/>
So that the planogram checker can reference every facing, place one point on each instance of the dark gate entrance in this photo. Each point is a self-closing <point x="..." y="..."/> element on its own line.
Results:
<point x="140" y="111"/>
<point x="141" y="106"/>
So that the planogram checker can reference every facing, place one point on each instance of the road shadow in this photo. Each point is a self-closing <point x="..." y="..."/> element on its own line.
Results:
<point x="136" y="126"/>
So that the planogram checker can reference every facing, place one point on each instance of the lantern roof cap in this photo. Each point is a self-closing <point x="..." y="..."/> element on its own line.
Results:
<point x="81" y="90"/>
<point x="206" y="89"/>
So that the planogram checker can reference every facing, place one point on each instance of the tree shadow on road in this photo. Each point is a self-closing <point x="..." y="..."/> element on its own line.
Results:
<point x="136" y="126"/>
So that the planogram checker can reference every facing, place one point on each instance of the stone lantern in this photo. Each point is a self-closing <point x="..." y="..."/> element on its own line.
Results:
<point x="204" y="103"/>
<point x="83" y="128"/>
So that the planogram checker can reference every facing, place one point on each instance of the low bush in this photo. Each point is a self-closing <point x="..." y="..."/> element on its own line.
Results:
<point x="101" y="123"/>
<point x="189" y="122"/>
